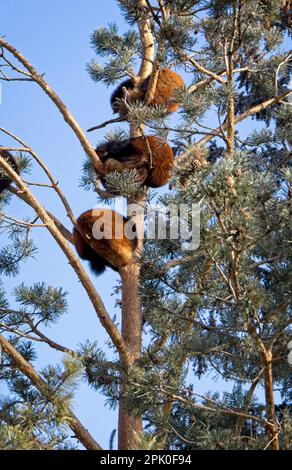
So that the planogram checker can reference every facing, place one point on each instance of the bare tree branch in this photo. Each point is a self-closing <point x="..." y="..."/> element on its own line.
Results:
<point x="97" y="303"/>
<point x="55" y="184"/>
<point x="26" y="368"/>
<point x="106" y="123"/>
<point x="68" y="117"/>
<point x="63" y="230"/>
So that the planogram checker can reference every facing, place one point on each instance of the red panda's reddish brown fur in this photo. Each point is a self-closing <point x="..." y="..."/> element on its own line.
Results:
<point x="114" y="250"/>
<point x="167" y="84"/>
<point x="152" y="158"/>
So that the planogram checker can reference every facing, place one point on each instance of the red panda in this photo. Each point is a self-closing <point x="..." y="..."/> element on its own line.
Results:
<point x="5" y="181"/>
<point x="287" y="12"/>
<point x="151" y="157"/>
<point x="105" y="239"/>
<point x="167" y="83"/>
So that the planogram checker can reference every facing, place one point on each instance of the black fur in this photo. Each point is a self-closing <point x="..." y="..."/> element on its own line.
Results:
<point x="123" y="151"/>
<point x="5" y="181"/>
<point x="119" y="93"/>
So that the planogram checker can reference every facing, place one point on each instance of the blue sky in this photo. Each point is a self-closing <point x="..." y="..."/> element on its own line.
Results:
<point x="54" y="36"/>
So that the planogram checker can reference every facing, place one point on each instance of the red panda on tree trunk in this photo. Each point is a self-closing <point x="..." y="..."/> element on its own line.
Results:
<point x="105" y="239"/>
<point x="287" y="12"/>
<point x="167" y="83"/>
<point x="152" y="158"/>
<point x="5" y="181"/>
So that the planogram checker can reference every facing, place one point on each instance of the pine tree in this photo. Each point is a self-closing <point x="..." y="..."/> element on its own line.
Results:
<point x="222" y="309"/>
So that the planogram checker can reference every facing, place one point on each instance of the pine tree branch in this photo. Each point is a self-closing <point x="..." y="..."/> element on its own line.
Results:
<point x="218" y="408"/>
<point x="200" y="68"/>
<point x="164" y="10"/>
<point x="16" y="332"/>
<point x="54" y="183"/>
<point x="62" y="229"/>
<point x="217" y="132"/>
<point x="45" y="339"/>
<point x="40" y="338"/>
<point x="247" y="401"/>
<point x="250" y="112"/>
<point x="266" y="353"/>
<point x="273" y="428"/>
<point x="230" y="83"/>
<point x="154" y="12"/>
<point x="208" y="81"/>
<point x="223" y="410"/>
<point x="20" y="223"/>
<point x="106" y="123"/>
<point x="68" y="117"/>
<point x="281" y="64"/>
<point x="9" y="64"/>
<point x="97" y="303"/>
<point x="26" y="368"/>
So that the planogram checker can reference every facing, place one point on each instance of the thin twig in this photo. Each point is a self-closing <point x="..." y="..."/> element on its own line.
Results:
<point x="106" y="123"/>
<point x="54" y="183"/>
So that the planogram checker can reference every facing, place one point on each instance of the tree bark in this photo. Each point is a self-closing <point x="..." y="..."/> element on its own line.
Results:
<point x="147" y="41"/>
<point x="270" y="402"/>
<point x="129" y="425"/>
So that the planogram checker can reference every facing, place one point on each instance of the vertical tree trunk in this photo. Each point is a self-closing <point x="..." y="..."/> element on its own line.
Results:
<point x="230" y="84"/>
<point x="230" y="108"/>
<point x="129" y="425"/>
<point x="147" y="41"/>
<point x="270" y="402"/>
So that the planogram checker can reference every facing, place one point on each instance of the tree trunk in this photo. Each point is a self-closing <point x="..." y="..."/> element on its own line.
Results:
<point x="270" y="402"/>
<point x="129" y="425"/>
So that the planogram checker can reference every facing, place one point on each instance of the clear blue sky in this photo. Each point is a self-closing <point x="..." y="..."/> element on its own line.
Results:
<point x="54" y="36"/>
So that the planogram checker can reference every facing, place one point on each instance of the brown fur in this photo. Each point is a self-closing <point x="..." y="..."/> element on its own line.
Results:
<point x="151" y="157"/>
<point x="109" y="251"/>
<point x="167" y="83"/>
